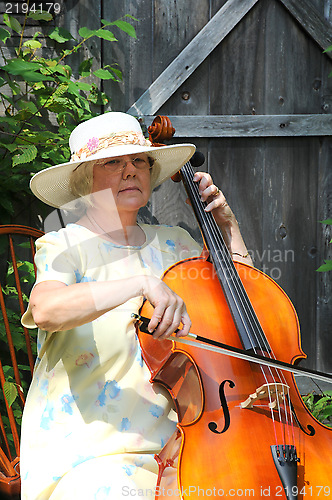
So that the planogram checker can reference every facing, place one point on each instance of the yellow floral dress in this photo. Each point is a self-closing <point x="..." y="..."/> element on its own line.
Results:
<point x="93" y="421"/>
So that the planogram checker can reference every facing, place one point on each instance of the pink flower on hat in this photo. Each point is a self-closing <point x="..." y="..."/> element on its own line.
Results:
<point x="93" y="143"/>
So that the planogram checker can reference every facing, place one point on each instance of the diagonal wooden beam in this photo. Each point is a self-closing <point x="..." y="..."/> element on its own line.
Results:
<point x="191" y="56"/>
<point x="312" y="21"/>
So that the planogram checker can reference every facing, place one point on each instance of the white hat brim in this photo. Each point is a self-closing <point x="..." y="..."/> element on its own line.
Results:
<point x="52" y="184"/>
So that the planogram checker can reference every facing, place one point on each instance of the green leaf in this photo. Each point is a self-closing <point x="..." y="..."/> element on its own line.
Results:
<point x="106" y="23"/>
<point x="12" y="23"/>
<point x="84" y="86"/>
<point x="30" y="106"/>
<point x="85" y="32"/>
<point x="31" y="76"/>
<point x="97" y="97"/>
<point x="19" y="66"/>
<point x="32" y="44"/>
<point x="8" y="99"/>
<point x="10" y="392"/>
<point x="325" y="267"/>
<point x="40" y="16"/>
<point x="132" y="17"/>
<point x="73" y="89"/>
<point x="66" y="52"/>
<point x="4" y="34"/>
<point x="103" y="74"/>
<point x="85" y="67"/>
<point x="326" y="221"/>
<point x="106" y="35"/>
<point x="126" y="27"/>
<point x="29" y="154"/>
<point x="27" y="70"/>
<point x="15" y="87"/>
<point x="60" y="35"/>
<point x="327" y="412"/>
<point x="10" y="147"/>
<point x="118" y="73"/>
<point x="109" y="23"/>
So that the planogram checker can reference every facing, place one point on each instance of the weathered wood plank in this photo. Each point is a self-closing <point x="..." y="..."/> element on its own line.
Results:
<point x="312" y="21"/>
<point x="236" y="82"/>
<point x="290" y="226"/>
<point x="237" y="166"/>
<point x="192" y="56"/>
<point x="322" y="251"/>
<point x="134" y="56"/>
<point x="175" y="26"/>
<point x="290" y="87"/>
<point x="250" y="125"/>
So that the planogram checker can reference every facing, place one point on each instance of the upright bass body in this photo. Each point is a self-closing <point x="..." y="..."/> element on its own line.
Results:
<point x="227" y="425"/>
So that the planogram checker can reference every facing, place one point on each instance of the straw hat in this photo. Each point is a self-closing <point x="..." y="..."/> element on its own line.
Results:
<point x="105" y="136"/>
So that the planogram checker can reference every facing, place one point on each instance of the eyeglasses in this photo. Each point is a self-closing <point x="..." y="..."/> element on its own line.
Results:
<point x="117" y="165"/>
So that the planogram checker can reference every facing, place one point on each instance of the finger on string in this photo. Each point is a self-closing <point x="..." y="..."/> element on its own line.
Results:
<point x="213" y="204"/>
<point x="211" y="190"/>
<point x="204" y="179"/>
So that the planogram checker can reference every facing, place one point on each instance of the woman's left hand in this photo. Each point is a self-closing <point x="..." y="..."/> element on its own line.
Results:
<point x="223" y="215"/>
<point x="216" y="201"/>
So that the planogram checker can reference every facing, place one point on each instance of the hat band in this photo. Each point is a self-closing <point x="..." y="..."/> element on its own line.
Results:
<point x="96" y="144"/>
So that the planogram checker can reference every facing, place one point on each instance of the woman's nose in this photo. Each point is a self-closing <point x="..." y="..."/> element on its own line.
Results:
<point x="128" y="169"/>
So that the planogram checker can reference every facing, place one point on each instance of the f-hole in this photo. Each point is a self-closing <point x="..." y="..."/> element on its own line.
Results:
<point x="223" y="402"/>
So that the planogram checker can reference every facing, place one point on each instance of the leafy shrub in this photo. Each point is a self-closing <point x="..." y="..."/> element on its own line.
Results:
<point x="42" y="102"/>
<point x="320" y="406"/>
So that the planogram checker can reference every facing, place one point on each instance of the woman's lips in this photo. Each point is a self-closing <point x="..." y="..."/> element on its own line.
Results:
<point x="131" y="188"/>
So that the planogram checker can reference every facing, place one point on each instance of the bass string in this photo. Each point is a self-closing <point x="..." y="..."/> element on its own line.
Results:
<point x="226" y="265"/>
<point x="216" y="240"/>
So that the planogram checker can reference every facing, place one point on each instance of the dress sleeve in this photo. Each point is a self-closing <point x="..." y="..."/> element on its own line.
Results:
<point x="56" y="260"/>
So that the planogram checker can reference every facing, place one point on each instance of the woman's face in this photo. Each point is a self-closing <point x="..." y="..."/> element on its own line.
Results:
<point x="129" y="179"/>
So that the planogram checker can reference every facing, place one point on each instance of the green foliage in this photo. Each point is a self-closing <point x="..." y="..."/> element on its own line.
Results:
<point x="320" y="406"/>
<point x="10" y="391"/>
<point x="11" y="388"/>
<point x="42" y="101"/>
<point x="328" y="263"/>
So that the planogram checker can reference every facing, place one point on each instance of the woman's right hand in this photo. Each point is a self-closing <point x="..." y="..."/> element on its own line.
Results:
<point x="169" y="309"/>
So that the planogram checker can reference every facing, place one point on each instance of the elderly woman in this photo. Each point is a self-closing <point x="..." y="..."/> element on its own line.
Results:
<point x="93" y="421"/>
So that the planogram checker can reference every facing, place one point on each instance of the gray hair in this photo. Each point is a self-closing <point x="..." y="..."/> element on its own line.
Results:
<point x="80" y="185"/>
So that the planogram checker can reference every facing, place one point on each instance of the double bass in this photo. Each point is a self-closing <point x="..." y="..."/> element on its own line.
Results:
<point x="243" y="429"/>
